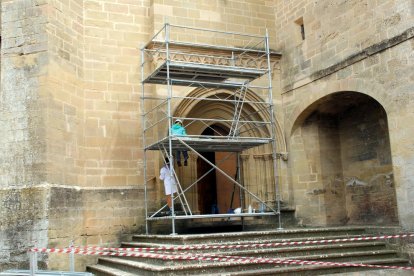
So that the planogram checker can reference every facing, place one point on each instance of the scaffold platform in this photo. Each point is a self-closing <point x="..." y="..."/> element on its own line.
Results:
<point x="186" y="73"/>
<point x="210" y="144"/>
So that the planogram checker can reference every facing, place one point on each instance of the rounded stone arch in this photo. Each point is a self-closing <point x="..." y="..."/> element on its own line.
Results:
<point x="347" y="99"/>
<point x="342" y="171"/>
<point x="319" y="90"/>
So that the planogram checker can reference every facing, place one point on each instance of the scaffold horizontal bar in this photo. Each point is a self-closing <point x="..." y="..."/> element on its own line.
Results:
<point x="237" y="50"/>
<point x="216" y="216"/>
<point x="193" y="83"/>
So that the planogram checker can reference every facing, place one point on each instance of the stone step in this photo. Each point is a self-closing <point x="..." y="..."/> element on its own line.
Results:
<point x="339" y="256"/>
<point x="108" y="271"/>
<point x="365" y="251"/>
<point x="251" y="236"/>
<point x="247" y="242"/>
<point x="223" y="268"/>
<point x="291" y="250"/>
<point x="328" y="270"/>
<point x="302" y="250"/>
<point x="376" y="272"/>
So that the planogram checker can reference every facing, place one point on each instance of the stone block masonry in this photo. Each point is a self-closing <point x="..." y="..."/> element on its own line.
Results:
<point x="66" y="137"/>
<point x="367" y="57"/>
<point x="22" y="141"/>
<point x="71" y="153"/>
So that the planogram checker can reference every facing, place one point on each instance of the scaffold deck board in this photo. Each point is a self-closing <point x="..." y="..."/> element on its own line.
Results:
<point x="198" y="74"/>
<point x="210" y="144"/>
<point x="215" y="216"/>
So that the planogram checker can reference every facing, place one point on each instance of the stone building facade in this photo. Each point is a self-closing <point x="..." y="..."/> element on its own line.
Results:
<point x="71" y="146"/>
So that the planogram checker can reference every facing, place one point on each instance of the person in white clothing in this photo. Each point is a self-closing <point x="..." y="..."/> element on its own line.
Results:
<point x="170" y="186"/>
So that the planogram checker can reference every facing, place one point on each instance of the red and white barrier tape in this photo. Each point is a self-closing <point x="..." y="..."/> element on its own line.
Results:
<point x="230" y="246"/>
<point x="212" y="257"/>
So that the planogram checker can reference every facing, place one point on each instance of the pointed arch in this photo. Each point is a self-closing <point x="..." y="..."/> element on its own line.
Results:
<point x="191" y="105"/>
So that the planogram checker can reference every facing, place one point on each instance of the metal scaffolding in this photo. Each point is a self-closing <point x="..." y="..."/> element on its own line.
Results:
<point x="178" y="60"/>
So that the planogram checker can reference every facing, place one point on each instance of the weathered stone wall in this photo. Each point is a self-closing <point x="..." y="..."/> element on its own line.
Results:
<point x="22" y="140"/>
<point x="334" y="32"/>
<point x="315" y="152"/>
<point x="368" y="56"/>
<point x="24" y="60"/>
<point x="24" y="223"/>
<point x="71" y="114"/>
<point x="71" y="164"/>
<point x="111" y="150"/>
<point x="331" y="170"/>
<point x="70" y="119"/>
<point x="252" y="17"/>
<point x="63" y="93"/>
<point x="92" y="216"/>
<point x="367" y="167"/>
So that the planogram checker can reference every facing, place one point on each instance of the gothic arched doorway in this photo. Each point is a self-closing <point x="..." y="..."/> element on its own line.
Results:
<point x="216" y="116"/>
<point x="341" y="162"/>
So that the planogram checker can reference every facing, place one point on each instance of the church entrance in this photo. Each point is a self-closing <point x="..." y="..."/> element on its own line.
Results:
<point x="217" y="194"/>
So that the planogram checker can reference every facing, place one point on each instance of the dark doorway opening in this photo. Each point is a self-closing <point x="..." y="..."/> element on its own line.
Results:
<point x="207" y="187"/>
<point x="216" y="193"/>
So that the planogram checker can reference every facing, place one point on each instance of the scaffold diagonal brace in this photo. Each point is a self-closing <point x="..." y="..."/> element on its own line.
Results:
<point x="228" y="177"/>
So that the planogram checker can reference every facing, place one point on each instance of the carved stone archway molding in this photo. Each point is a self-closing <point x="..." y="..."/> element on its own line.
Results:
<point x="257" y="163"/>
<point x="216" y="55"/>
<point x="185" y="107"/>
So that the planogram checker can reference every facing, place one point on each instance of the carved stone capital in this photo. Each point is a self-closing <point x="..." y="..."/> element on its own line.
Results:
<point x="267" y="156"/>
<point x="244" y="157"/>
<point x="282" y="155"/>
<point x="258" y="156"/>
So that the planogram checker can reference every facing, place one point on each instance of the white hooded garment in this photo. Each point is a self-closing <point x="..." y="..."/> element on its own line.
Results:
<point x="169" y="180"/>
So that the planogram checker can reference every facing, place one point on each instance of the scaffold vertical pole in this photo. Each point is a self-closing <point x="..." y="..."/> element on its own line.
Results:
<point x="33" y="262"/>
<point x="143" y="139"/>
<point x="72" y="258"/>
<point x="169" y="90"/>
<point x="273" y="126"/>
<point x="238" y="176"/>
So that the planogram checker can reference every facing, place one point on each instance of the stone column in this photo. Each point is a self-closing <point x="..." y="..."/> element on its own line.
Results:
<point x="259" y="179"/>
<point x="268" y="185"/>
<point x="245" y="175"/>
<point x="402" y="151"/>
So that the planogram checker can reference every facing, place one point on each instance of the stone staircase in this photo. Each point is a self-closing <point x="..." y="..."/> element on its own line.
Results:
<point x="365" y="252"/>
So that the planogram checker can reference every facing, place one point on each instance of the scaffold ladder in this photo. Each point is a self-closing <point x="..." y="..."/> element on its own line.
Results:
<point x="239" y="99"/>
<point x="180" y="193"/>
